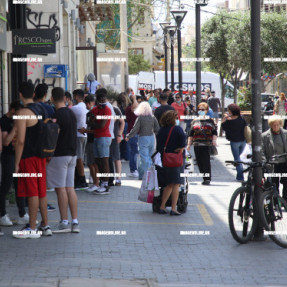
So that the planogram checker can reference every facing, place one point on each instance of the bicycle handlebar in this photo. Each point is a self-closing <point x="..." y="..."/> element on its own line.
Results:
<point x="257" y="164"/>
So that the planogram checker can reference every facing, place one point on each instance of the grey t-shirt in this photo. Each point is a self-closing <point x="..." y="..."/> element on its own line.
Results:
<point x="144" y="126"/>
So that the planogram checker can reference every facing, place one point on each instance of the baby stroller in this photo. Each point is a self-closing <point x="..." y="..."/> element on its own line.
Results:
<point x="182" y="198"/>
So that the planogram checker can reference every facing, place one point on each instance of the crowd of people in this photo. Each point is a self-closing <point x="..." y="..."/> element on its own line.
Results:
<point x="100" y="134"/>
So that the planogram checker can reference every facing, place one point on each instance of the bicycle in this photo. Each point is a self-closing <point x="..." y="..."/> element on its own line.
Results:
<point x="273" y="212"/>
<point x="272" y="207"/>
<point x="242" y="211"/>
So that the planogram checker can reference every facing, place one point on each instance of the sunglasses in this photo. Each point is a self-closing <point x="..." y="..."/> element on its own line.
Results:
<point x="177" y="97"/>
<point x="201" y="109"/>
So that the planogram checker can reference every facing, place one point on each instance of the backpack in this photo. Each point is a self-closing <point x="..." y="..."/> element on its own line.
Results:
<point x="48" y="132"/>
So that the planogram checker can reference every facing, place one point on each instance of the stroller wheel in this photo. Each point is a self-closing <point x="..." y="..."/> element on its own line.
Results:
<point x="182" y="202"/>
<point x="156" y="204"/>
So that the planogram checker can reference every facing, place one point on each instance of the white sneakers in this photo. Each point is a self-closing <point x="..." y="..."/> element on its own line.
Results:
<point x="94" y="188"/>
<point x="23" y="220"/>
<point x="134" y="174"/>
<point x="5" y="220"/>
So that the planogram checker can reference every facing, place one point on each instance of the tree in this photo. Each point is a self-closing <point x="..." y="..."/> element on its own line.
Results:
<point x="273" y="44"/>
<point x="226" y="41"/>
<point x="137" y="63"/>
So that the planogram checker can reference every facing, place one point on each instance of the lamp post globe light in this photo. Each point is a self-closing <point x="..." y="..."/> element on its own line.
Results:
<point x="172" y="30"/>
<point x="178" y="17"/>
<point x="198" y="3"/>
<point x="201" y="2"/>
<point x="163" y="26"/>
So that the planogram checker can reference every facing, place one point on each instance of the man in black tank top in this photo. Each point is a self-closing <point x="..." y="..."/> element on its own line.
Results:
<point x="30" y="168"/>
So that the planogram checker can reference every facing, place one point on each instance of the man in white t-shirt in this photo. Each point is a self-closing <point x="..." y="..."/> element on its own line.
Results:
<point x="80" y="111"/>
<point x="92" y="84"/>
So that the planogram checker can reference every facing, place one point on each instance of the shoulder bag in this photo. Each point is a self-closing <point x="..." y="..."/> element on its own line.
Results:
<point x="171" y="159"/>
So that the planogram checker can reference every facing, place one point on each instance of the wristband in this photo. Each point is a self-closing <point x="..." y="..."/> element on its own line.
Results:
<point x="119" y="136"/>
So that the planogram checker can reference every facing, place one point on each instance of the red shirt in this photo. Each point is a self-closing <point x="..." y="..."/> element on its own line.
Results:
<point x="180" y="109"/>
<point x="102" y="132"/>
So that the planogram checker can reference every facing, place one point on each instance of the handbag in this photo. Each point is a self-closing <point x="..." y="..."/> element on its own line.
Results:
<point x="213" y="150"/>
<point x="171" y="159"/>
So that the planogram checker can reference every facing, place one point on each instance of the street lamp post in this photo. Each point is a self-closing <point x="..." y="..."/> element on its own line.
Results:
<point x="256" y="104"/>
<point x="178" y="17"/>
<point x="171" y="30"/>
<point x="198" y="3"/>
<point x="163" y="26"/>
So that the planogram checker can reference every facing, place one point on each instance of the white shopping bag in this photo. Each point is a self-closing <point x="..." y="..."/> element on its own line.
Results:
<point x="157" y="160"/>
<point x="149" y="183"/>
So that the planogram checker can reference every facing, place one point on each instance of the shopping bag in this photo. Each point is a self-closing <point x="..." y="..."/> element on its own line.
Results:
<point x="143" y="194"/>
<point x="149" y="187"/>
<point x="157" y="159"/>
<point x="151" y="179"/>
<point x="150" y="196"/>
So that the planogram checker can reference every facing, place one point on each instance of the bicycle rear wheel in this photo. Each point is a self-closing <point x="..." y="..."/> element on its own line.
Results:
<point x="274" y="217"/>
<point x="242" y="218"/>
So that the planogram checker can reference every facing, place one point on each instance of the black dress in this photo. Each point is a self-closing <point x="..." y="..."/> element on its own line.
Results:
<point x="170" y="175"/>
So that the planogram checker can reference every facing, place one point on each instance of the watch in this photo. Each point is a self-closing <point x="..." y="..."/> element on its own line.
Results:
<point x="119" y="135"/>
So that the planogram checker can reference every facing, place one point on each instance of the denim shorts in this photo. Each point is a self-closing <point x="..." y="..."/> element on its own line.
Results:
<point x="102" y="147"/>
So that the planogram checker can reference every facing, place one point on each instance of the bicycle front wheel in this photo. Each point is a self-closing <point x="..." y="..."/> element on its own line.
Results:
<point x="242" y="215"/>
<point x="273" y="211"/>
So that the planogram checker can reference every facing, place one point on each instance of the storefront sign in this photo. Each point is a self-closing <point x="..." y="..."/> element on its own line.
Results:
<point x="55" y="71"/>
<point x="34" y="41"/>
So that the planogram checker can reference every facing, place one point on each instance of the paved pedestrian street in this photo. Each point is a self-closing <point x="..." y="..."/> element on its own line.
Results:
<point x="148" y="249"/>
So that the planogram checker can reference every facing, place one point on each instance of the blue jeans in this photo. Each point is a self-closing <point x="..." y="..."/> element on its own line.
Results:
<point x="146" y="149"/>
<point x="124" y="148"/>
<point x="133" y="153"/>
<point x="237" y="148"/>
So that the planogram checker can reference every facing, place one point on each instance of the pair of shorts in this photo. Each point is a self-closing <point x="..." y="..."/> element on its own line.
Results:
<point x="115" y="150"/>
<point x="215" y="115"/>
<point x="90" y="153"/>
<point x="61" y="171"/>
<point x="102" y="147"/>
<point x="32" y="186"/>
<point x="81" y="145"/>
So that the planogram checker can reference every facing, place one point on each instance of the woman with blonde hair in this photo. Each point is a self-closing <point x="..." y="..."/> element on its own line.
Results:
<point x="146" y="126"/>
<point x="280" y="108"/>
<point x="274" y="142"/>
<point x="281" y="105"/>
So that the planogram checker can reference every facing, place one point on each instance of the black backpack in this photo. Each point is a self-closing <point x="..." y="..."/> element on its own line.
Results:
<point x="48" y="132"/>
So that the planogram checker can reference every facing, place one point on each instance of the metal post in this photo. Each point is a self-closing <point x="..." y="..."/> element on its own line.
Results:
<point x="198" y="54"/>
<point x="124" y="43"/>
<point x="179" y="60"/>
<point x="172" y="61"/>
<point x="256" y="101"/>
<point x="165" y="59"/>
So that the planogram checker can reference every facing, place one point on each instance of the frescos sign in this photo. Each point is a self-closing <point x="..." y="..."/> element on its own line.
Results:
<point x="34" y="41"/>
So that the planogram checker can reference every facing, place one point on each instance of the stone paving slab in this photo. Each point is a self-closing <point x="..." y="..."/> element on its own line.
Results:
<point x="152" y="247"/>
